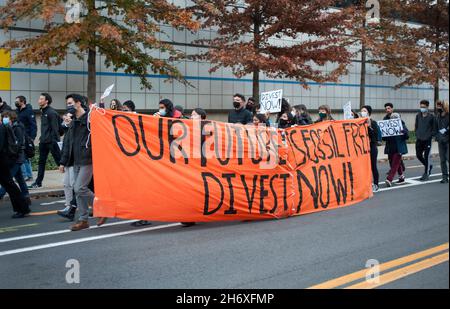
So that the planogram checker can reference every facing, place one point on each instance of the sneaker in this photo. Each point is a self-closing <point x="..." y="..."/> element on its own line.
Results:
<point x="141" y="223"/>
<point x="444" y="180"/>
<point x="401" y="179"/>
<point x="81" y="225"/>
<point x="68" y="212"/>
<point x="388" y="183"/>
<point x="18" y="215"/>
<point x="375" y="188"/>
<point x="34" y="186"/>
<point x="424" y="177"/>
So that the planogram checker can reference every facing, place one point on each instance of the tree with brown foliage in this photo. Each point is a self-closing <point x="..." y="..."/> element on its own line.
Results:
<point x="125" y="42"/>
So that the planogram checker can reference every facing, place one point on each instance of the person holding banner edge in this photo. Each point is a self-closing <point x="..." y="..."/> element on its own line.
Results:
<point x="375" y="139"/>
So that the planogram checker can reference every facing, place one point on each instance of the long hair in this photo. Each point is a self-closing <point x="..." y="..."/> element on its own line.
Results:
<point x="444" y="105"/>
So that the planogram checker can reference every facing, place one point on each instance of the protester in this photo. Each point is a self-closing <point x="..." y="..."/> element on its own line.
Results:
<point x="115" y="105"/>
<point x="26" y="117"/>
<point x="286" y="121"/>
<point x="78" y="150"/>
<point x="69" y="178"/>
<point x="240" y="114"/>
<point x="259" y="120"/>
<point x="251" y="105"/>
<point x="324" y="114"/>
<point x="180" y="109"/>
<point x="424" y="127"/>
<point x="301" y="115"/>
<point x="198" y="113"/>
<point x="389" y="108"/>
<point x="19" y="204"/>
<point x="166" y="109"/>
<point x="375" y="139"/>
<point x="9" y="118"/>
<point x="395" y="148"/>
<point x="129" y="106"/>
<point x="50" y="136"/>
<point x="3" y="106"/>
<point x="442" y="130"/>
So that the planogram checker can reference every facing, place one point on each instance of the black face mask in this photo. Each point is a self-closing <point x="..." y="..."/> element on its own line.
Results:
<point x="71" y="110"/>
<point x="17" y="104"/>
<point x="439" y="110"/>
<point x="236" y="104"/>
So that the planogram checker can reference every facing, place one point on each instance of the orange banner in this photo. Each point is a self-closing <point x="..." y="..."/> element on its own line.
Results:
<point x="162" y="169"/>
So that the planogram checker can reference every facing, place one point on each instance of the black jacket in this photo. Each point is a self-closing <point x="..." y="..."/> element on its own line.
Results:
<point x="19" y="132"/>
<point x="50" y="126"/>
<point x="374" y="132"/>
<point x="424" y="127"/>
<point x="26" y="117"/>
<point x="303" y="119"/>
<point x="77" y="148"/>
<point x="442" y="122"/>
<point x="3" y="142"/>
<point x="5" y="107"/>
<point x="242" y="115"/>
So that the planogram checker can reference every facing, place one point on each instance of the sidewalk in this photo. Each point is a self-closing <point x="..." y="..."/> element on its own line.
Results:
<point x="53" y="180"/>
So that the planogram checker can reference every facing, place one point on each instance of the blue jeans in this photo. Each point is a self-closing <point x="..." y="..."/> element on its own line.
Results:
<point x="27" y="172"/>
<point x="16" y="173"/>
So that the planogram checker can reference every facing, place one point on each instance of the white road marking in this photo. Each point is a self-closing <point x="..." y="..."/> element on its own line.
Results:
<point x="410" y="182"/>
<point x="86" y="239"/>
<point x="53" y="203"/>
<point x="60" y="232"/>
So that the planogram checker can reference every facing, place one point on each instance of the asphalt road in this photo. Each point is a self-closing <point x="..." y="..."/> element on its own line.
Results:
<point x="297" y="252"/>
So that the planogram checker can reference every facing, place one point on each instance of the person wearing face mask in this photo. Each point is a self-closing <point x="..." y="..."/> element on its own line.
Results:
<point x="395" y="148"/>
<point x="442" y="130"/>
<point x="77" y="151"/>
<point x="129" y="107"/>
<point x="375" y="138"/>
<point x="50" y="136"/>
<point x="424" y="127"/>
<point x="286" y="121"/>
<point x="6" y="181"/>
<point x="251" y="105"/>
<point x="9" y="119"/>
<point x="240" y="114"/>
<point x="115" y="105"/>
<point x="324" y="114"/>
<point x="302" y="117"/>
<point x="199" y="114"/>
<point x="27" y="118"/>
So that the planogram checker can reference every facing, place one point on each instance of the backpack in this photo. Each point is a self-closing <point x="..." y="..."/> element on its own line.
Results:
<point x="29" y="147"/>
<point x="13" y="146"/>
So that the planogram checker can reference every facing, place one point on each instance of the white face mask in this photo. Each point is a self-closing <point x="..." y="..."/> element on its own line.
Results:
<point x="364" y="114"/>
<point x="293" y="113"/>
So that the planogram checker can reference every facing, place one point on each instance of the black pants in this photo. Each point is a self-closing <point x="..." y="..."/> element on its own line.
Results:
<point x="373" y="161"/>
<point x="6" y="181"/>
<point x="44" y="149"/>
<point x="443" y="154"/>
<point x="423" y="149"/>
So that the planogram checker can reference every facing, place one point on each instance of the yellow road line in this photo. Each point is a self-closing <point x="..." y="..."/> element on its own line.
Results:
<point x="383" y="267"/>
<point x="44" y="213"/>
<point x="402" y="272"/>
<point x="15" y="228"/>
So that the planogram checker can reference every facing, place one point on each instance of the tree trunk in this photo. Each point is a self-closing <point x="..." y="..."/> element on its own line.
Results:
<point x="256" y="85"/>
<point x="256" y="44"/>
<point x="92" y="80"/>
<point x="362" y="86"/>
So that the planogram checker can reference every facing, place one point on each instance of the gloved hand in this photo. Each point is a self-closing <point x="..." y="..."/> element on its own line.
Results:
<point x="442" y="131"/>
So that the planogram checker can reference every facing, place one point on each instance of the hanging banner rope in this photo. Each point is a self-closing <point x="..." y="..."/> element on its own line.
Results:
<point x="164" y="169"/>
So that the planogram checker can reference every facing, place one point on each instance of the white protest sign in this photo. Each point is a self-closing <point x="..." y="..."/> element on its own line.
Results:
<point x="392" y="127"/>
<point x="348" y="110"/>
<point x="107" y="92"/>
<point x="271" y="101"/>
